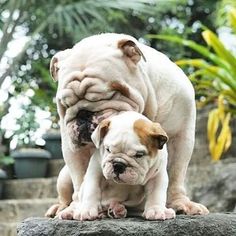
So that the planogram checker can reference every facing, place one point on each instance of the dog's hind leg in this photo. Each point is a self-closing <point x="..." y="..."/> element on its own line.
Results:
<point x="116" y="210"/>
<point x="180" y="149"/>
<point x="64" y="190"/>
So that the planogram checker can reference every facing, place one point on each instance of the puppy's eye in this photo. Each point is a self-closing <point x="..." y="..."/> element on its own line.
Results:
<point x="139" y="154"/>
<point x="108" y="149"/>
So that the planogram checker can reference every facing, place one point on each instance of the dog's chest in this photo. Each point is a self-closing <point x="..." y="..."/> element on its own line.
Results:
<point x="129" y="195"/>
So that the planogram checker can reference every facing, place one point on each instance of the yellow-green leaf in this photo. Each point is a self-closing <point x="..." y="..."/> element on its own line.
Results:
<point x="213" y="41"/>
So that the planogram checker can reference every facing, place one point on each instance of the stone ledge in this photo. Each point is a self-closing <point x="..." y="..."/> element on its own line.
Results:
<point x="30" y="188"/>
<point x="217" y="224"/>
<point x="8" y="229"/>
<point x="16" y="210"/>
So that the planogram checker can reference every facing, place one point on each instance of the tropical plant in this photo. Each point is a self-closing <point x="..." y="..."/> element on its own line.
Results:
<point x="219" y="142"/>
<point x="222" y="12"/>
<point x="57" y="17"/>
<point x="214" y="79"/>
<point x="42" y="25"/>
<point x="56" y="25"/>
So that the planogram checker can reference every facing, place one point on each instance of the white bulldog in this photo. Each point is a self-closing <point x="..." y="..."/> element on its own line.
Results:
<point x="127" y="170"/>
<point x="109" y="73"/>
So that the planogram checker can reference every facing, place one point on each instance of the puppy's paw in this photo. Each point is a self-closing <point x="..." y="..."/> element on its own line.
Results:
<point x="116" y="210"/>
<point x="66" y="214"/>
<point x="55" y="209"/>
<point x="185" y="206"/>
<point x="158" y="213"/>
<point x="88" y="211"/>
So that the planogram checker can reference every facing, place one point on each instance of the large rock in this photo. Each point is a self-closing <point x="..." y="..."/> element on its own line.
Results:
<point x="213" y="224"/>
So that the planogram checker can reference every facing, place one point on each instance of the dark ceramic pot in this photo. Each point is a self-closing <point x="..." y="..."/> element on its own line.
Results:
<point x="31" y="163"/>
<point x="53" y="143"/>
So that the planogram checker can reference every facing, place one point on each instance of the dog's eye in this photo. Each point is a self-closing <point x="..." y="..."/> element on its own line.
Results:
<point x="139" y="154"/>
<point x="108" y="149"/>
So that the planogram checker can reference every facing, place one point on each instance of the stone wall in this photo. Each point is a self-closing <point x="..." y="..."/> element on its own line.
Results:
<point x="212" y="183"/>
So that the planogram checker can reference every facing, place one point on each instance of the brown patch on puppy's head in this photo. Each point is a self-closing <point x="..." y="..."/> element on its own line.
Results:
<point x="117" y="86"/>
<point x="151" y="135"/>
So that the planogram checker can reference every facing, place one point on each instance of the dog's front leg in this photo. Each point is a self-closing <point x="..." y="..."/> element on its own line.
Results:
<point x="90" y="192"/>
<point x="156" y="193"/>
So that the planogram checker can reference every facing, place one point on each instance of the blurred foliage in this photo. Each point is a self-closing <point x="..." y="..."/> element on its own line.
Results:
<point x="223" y="9"/>
<point x="51" y="26"/>
<point x="5" y="160"/>
<point x="219" y="141"/>
<point x="215" y="80"/>
<point x="27" y="127"/>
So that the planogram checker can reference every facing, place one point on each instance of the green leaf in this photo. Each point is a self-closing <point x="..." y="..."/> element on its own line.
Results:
<point x="196" y="47"/>
<point x="213" y="71"/>
<point x="213" y="41"/>
<point x="232" y="18"/>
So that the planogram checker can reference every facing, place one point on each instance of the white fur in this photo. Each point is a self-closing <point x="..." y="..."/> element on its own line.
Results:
<point x="151" y="191"/>
<point x="158" y="88"/>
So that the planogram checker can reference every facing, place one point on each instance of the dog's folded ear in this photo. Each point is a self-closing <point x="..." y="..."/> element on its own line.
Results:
<point x="131" y="50"/>
<point x="54" y="64"/>
<point x="159" y="135"/>
<point x="100" y="132"/>
<point x="161" y="140"/>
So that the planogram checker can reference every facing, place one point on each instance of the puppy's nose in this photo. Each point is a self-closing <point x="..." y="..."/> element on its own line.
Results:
<point x="119" y="167"/>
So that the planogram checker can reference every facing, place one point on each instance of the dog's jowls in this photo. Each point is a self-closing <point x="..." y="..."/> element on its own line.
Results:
<point x="110" y="73"/>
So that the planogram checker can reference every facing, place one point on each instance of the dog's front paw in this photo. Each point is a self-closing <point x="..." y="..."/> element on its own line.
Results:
<point x="185" y="206"/>
<point x="88" y="211"/>
<point x="116" y="210"/>
<point x="158" y="213"/>
<point x="69" y="212"/>
<point x="66" y="214"/>
<point x="55" y="209"/>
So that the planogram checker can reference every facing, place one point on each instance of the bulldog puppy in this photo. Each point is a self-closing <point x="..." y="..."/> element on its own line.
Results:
<point x="109" y="73"/>
<point x="128" y="169"/>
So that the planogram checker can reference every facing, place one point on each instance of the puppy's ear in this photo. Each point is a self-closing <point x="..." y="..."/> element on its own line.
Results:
<point x="54" y="64"/>
<point x="159" y="135"/>
<point x="100" y="132"/>
<point x="131" y="50"/>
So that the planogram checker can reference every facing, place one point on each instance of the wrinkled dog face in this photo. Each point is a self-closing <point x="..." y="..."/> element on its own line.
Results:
<point x="130" y="143"/>
<point x="91" y="83"/>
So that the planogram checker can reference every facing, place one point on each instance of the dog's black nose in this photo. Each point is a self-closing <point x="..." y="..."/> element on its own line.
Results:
<point x="119" y="167"/>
